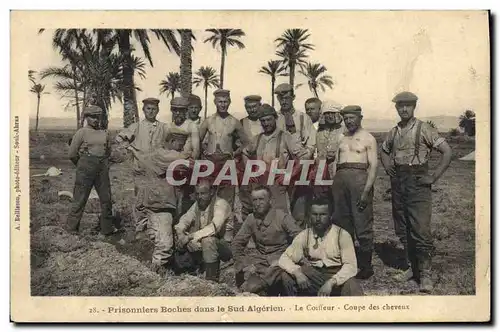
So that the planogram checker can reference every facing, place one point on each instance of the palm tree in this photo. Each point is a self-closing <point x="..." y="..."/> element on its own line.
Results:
<point x="292" y="47"/>
<point x="207" y="77"/>
<point x="467" y="121"/>
<point x="274" y="69"/>
<point x="186" y="71"/>
<point x="171" y="84"/>
<point x="316" y="77"/>
<point x="225" y="38"/>
<point x="37" y="89"/>
<point x="432" y="124"/>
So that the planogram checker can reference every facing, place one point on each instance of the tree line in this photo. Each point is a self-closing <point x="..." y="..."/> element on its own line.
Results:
<point x="100" y="66"/>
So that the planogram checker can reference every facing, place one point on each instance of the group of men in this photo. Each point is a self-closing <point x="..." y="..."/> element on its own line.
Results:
<point x="293" y="240"/>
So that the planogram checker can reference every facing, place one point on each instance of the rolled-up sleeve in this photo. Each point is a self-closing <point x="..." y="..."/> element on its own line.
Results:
<point x="389" y="141"/>
<point x="127" y="134"/>
<point x="186" y="220"/>
<point x="431" y="136"/>
<point x="293" y="254"/>
<point x="349" y="264"/>
<point x="222" y="211"/>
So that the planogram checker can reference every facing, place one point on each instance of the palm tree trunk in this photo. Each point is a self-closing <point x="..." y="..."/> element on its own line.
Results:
<point x="76" y="99"/>
<point x="292" y="74"/>
<point x="206" y="100"/>
<point x="315" y="91"/>
<point x="273" y="82"/>
<point x="37" y="111"/>
<point x="136" y="111"/>
<point x="186" y="64"/>
<point x="79" y="116"/>
<point x="129" y="104"/>
<point x="222" y="61"/>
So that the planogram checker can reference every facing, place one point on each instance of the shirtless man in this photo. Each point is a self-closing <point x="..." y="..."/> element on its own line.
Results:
<point x="225" y="141"/>
<point x="356" y="167"/>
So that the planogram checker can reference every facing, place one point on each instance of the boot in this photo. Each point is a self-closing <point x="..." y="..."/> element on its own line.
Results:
<point x="426" y="283"/>
<point x="365" y="265"/>
<point x="212" y="271"/>
<point x="407" y="272"/>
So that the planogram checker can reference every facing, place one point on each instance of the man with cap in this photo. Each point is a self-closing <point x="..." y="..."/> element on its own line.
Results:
<point x="89" y="151"/>
<point x="405" y="155"/>
<point x="313" y="110"/>
<point x="225" y="139"/>
<point x="274" y="143"/>
<point x="251" y="127"/>
<point x="356" y="170"/>
<point x="301" y="127"/>
<point x="155" y="200"/>
<point x="194" y="109"/>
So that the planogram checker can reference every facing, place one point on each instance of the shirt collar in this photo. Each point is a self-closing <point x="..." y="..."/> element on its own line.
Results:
<point x="409" y="124"/>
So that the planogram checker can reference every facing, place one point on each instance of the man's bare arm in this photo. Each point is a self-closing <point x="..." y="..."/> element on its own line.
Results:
<point x="371" y="153"/>
<point x="203" y="129"/>
<point x="446" y="152"/>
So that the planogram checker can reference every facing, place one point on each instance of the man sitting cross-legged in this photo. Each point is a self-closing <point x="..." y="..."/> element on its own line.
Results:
<point x="272" y="230"/>
<point x="200" y="233"/>
<point x="321" y="260"/>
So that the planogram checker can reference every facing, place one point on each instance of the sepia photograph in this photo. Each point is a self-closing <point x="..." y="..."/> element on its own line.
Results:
<point x="251" y="166"/>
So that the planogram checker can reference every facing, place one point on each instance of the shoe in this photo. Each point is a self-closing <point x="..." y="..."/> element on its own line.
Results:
<point x="365" y="265"/>
<point x="404" y="275"/>
<point x="426" y="284"/>
<point x="424" y="265"/>
<point x="212" y="271"/>
<point x="366" y="273"/>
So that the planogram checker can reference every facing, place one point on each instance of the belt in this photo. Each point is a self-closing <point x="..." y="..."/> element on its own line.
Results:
<point x="361" y="166"/>
<point x="412" y="167"/>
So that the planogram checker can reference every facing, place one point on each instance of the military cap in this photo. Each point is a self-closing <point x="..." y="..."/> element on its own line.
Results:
<point x="194" y="100"/>
<point x="154" y="101"/>
<point x="221" y="93"/>
<point x="253" y="98"/>
<point x="330" y="106"/>
<point x="351" y="109"/>
<point x="405" y="96"/>
<point x="92" y="110"/>
<point x="179" y="102"/>
<point x="283" y="88"/>
<point x="265" y="110"/>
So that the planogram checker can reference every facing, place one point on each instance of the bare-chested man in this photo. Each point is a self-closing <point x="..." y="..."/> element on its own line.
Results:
<point x="353" y="186"/>
<point x="225" y="141"/>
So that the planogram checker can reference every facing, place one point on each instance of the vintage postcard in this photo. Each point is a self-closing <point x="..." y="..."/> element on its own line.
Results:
<point x="250" y="166"/>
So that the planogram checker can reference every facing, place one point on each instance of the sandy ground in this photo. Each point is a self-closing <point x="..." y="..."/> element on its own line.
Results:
<point x="62" y="264"/>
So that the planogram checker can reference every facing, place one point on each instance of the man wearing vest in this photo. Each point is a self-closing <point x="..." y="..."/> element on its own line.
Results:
<point x="299" y="125"/>
<point x="356" y="171"/>
<point x="272" y="231"/>
<point x="274" y="143"/>
<point x="200" y="233"/>
<point x="251" y="127"/>
<point x="405" y="154"/>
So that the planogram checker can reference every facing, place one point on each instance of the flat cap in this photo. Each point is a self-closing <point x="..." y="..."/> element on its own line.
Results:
<point x="154" y="101"/>
<point x="351" y="109"/>
<point x="330" y="106"/>
<point x="283" y="88"/>
<point x="179" y="102"/>
<point x="92" y="110"/>
<point x="194" y="100"/>
<point x="222" y="93"/>
<point x="404" y="96"/>
<point x="265" y="110"/>
<point x="253" y="98"/>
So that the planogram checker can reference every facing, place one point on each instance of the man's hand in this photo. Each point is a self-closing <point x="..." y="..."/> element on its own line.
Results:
<point x="182" y="240"/>
<point x="194" y="246"/>
<point x="326" y="289"/>
<point x="302" y="280"/>
<point x="249" y="269"/>
<point x="390" y="170"/>
<point x="363" y="201"/>
<point x="425" y="180"/>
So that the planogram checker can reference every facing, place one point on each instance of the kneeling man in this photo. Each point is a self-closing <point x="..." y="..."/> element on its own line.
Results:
<point x="321" y="260"/>
<point x="272" y="230"/>
<point x="200" y="233"/>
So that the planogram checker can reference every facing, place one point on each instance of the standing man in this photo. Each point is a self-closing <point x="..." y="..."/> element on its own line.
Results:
<point x="225" y="140"/>
<point x="200" y="233"/>
<point x="274" y="143"/>
<point x="313" y="110"/>
<point x="321" y="260"/>
<point x="272" y="231"/>
<point x="300" y="126"/>
<point x="353" y="186"/>
<point x="89" y="151"/>
<point x="194" y="109"/>
<point x="252" y="127"/>
<point x="405" y="154"/>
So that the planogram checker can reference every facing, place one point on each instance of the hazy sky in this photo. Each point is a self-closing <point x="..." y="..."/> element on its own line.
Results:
<point x="442" y="57"/>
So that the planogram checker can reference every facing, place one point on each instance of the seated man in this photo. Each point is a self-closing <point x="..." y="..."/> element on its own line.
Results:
<point x="321" y="259"/>
<point x="200" y="233"/>
<point x="272" y="230"/>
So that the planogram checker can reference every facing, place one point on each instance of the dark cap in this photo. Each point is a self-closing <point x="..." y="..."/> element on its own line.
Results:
<point x="253" y="98"/>
<point x="283" y="88"/>
<point x="265" y="110"/>
<point x="351" y="109"/>
<point x="179" y="102"/>
<point x="194" y="100"/>
<point x="92" y="110"/>
<point x="153" y="101"/>
<point x="405" y="96"/>
<point x="222" y="93"/>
